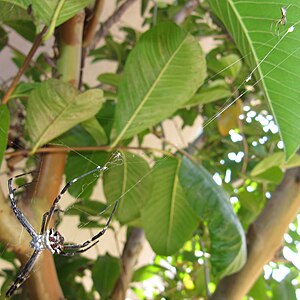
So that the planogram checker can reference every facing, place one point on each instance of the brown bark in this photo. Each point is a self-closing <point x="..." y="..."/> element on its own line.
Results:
<point x="43" y="282"/>
<point x="131" y="252"/>
<point x="265" y="237"/>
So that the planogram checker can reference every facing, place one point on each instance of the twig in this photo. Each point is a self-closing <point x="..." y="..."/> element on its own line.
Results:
<point x="187" y="9"/>
<point x="32" y="62"/>
<point x="88" y="148"/>
<point x="24" y="66"/>
<point x="206" y="267"/>
<point x="115" y="17"/>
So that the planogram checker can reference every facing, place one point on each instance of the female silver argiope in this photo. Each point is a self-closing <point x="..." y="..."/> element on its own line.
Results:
<point x="49" y="238"/>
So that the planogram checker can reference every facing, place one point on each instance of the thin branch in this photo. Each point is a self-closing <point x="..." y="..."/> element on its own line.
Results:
<point x="131" y="252"/>
<point x="206" y="267"/>
<point x="187" y="9"/>
<point x="88" y="148"/>
<point x="115" y="17"/>
<point x="24" y="66"/>
<point x="32" y="62"/>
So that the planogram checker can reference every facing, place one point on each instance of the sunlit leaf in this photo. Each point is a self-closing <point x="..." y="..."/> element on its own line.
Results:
<point x="45" y="9"/>
<point x="161" y="73"/>
<point x="275" y="59"/>
<point x="55" y="107"/>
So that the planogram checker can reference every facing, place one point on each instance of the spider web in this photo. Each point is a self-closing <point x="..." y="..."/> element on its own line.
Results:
<point x="116" y="158"/>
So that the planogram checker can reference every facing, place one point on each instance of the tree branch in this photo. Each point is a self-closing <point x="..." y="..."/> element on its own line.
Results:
<point x="131" y="252"/>
<point x="115" y="17"/>
<point x="265" y="237"/>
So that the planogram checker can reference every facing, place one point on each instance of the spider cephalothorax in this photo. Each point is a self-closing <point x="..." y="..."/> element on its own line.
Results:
<point x="49" y="238"/>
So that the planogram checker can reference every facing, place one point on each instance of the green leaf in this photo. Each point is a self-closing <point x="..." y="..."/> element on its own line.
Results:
<point x="275" y="160"/>
<point x="88" y="207"/>
<point x="13" y="10"/>
<point x="78" y="165"/>
<point x="3" y="38"/>
<point x="131" y="182"/>
<point x="75" y="137"/>
<point x="274" y="61"/>
<point x="55" y="107"/>
<point x="4" y="126"/>
<point x="147" y="272"/>
<point x="162" y="73"/>
<point x="259" y="289"/>
<point x="167" y="218"/>
<point x="226" y="66"/>
<point x="23" y="89"/>
<point x="251" y="204"/>
<point x="45" y="9"/>
<point x="272" y="175"/>
<point x="23" y="27"/>
<point x="93" y="127"/>
<point x="111" y="79"/>
<point x="283" y="290"/>
<point x="215" y="91"/>
<point x="228" y="243"/>
<point x="105" y="274"/>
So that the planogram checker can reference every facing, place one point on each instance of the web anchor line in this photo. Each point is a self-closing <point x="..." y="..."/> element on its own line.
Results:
<point x="249" y="77"/>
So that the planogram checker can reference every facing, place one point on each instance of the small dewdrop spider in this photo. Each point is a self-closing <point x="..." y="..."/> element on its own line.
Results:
<point x="281" y="22"/>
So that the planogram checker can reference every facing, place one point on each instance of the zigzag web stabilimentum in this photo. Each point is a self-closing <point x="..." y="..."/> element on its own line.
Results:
<point x="116" y="158"/>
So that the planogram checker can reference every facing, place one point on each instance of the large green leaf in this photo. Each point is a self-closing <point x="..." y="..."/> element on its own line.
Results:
<point x="129" y="181"/>
<point x="45" y="9"/>
<point x="55" y="107"/>
<point x="4" y="125"/>
<point x="254" y="26"/>
<point x="228" y="243"/>
<point x="161" y="73"/>
<point x="167" y="218"/>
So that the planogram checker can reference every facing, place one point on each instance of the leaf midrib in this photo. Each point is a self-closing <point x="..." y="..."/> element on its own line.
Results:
<point x="172" y="207"/>
<point x="53" y="122"/>
<point x="140" y="106"/>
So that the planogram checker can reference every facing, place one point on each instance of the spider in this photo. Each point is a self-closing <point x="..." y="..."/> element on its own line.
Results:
<point x="282" y="21"/>
<point x="49" y="238"/>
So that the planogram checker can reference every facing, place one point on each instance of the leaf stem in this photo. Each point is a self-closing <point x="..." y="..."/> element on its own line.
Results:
<point x="54" y="20"/>
<point x="24" y="66"/>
